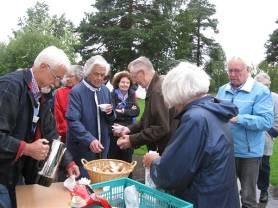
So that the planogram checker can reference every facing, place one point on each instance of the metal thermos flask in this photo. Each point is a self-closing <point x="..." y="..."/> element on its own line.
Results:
<point x="48" y="172"/>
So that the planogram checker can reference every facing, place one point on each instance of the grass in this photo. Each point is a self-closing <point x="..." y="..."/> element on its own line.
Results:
<point x="143" y="149"/>
<point x="274" y="165"/>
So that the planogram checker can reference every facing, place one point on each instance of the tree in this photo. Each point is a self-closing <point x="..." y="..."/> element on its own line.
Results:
<point x="272" y="47"/>
<point x="215" y="67"/>
<point x="121" y="30"/>
<point x="37" y="31"/>
<point x="192" y="24"/>
<point x="39" y="20"/>
<point x="26" y="46"/>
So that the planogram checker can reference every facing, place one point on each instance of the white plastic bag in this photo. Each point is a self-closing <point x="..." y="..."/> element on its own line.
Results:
<point x="148" y="180"/>
<point x="131" y="196"/>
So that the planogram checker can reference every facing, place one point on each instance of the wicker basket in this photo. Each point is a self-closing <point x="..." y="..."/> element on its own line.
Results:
<point x="94" y="169"/>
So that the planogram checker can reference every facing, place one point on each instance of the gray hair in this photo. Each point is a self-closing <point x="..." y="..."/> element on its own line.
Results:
<point x="52" y="56"/>
<point x="239" y="60"/>
<point x="77" y="71"/>
<point x="263" y="78"/>
<point x="95" y="60"/>
<point x="139" y="62"/>
<point x="184" y="82"/>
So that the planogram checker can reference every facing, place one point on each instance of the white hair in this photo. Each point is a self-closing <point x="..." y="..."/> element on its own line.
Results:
<point x="183" y="83"/>
<point x="52" y="56"/>
<point x="95" y="60"/>
<point x="237" y="59"/>
<point x="77" y="71"/>
<point x="141" y="61"/>
<point x="263" y="78"/>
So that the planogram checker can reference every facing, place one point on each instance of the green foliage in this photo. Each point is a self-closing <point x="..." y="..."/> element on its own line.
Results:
<point x="4" y="65"/>
<point x="25" y="47"/>
<point x="143" y="149"/>
<point x="272" y="47"/>
<point x="273" y="165"/>
<point x="216" y="68"/>
<point x="141" y="103"/>
<point x="272" y="71"/>
<point x="121" y="30"/>
<point x="37" y="30"/>
<point x="201" y="12"/>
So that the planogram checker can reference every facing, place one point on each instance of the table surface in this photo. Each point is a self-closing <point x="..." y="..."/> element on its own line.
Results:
<point x="33" y="196"/>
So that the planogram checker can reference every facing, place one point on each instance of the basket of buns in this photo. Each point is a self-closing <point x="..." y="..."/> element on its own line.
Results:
<point x="106" y="169"/>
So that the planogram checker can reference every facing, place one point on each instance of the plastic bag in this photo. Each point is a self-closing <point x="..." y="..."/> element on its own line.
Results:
<point x="131" y="196"/>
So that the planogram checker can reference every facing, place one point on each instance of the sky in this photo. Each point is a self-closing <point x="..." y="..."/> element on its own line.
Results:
<point x="244" y="25"/>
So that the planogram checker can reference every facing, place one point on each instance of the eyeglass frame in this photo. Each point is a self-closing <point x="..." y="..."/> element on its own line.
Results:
<point x="236" y="71"/>
<point x="57" y="78"/>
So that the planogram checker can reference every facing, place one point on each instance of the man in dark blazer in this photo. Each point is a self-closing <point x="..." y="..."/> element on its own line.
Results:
<point x="154" y="127"/>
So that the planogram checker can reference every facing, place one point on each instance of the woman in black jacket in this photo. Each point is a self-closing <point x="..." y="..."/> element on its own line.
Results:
<point x="124" y="102"/>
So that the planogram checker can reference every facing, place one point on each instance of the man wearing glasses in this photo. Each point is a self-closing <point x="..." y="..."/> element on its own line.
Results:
<point x="154" y="127"/>
<point x="26" y="126"/>
<point x="255" y="106"/>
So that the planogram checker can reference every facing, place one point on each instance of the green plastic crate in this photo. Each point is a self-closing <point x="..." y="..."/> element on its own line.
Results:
<point x="113" y="191"/>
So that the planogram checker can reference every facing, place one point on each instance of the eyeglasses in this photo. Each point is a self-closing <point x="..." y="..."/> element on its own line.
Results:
<point x="57" y="78"/>
<point x="236" y="71"/>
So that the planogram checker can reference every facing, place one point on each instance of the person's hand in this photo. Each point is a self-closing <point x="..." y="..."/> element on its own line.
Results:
<point x="37" y="149"/>
<point x="119" y="130"/>
<point x="134" y="107"/>
<point x="124" y="142"/>
<point x="108" y="110"/>
<point x="120" y="110"/>
<point x="96" y="146"/>
<point x="233" y="120"/>
<point x="73" y="170"/>
<point x="149" y="158"/>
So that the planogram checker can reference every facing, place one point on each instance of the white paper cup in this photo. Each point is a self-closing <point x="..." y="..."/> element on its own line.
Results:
<point x="103" y="107"/>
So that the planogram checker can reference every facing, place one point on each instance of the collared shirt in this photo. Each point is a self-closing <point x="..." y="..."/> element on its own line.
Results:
<point x="35" y="88"/>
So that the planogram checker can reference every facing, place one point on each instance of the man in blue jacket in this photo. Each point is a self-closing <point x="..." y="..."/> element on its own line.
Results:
<point x="255" y="116"/>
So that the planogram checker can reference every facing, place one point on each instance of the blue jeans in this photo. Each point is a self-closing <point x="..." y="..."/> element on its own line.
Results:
<point x="5" y="200"/>
<point x="263" y="180"/>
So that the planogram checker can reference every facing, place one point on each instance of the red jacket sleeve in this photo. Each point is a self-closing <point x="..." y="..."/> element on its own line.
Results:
<point x="60" y="107"/>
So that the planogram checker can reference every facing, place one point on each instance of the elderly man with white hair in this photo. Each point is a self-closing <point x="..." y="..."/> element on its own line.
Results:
<point x="26" y="125"/>
<point x="157" y="122"/>
<point x="270" y="134"/>
<point x="255" y="106"/>
<point x="198" y="164"/>
<point x="88" y="124"/>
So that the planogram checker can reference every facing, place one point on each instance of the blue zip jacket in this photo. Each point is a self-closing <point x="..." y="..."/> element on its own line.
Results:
<point x="198" y="164"/>
<point x="255" y="106"/>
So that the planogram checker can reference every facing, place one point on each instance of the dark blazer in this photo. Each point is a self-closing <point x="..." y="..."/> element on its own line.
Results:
<point x="155" y="124"/>
<point x="16" y="114"/>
